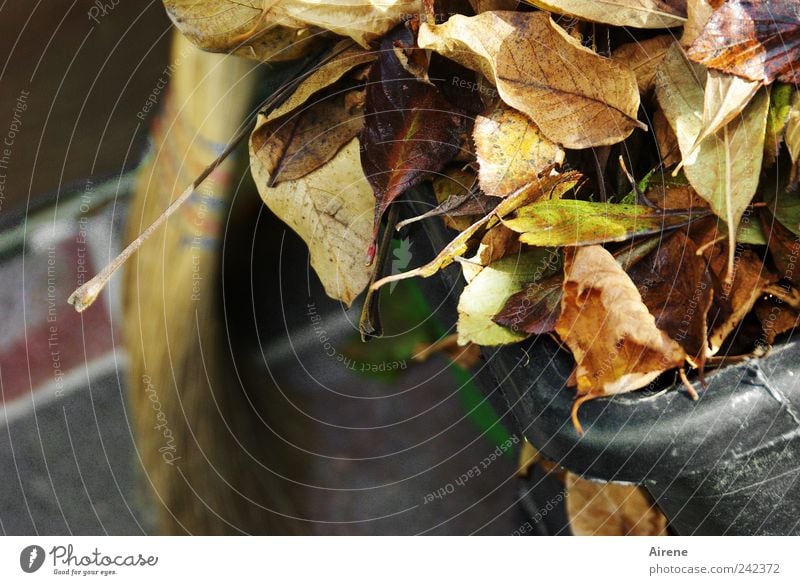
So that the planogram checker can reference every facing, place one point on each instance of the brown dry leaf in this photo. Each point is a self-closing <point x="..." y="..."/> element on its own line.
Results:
<point x="332" y="210"/>
<point x="575" y="97"/>
<point x="674" y="193"/>
<point x="234" y="21"/>
<point x="678" y="291"/>
<point x="612" y="334"/>
<point x="609" y="509"/>
<point x="758" y="40"/>
<point x="643" y="58"/>
<point x="224" y="26"/>
<point x="511" y="151"/>
<point x="290" y="147"/>
<point x="667" y="142"/>
<point x="498" y="242"/>
<point x="776" y="318"/>
<point x="633" y="13"/>
<point x="725" y="168"/>
<point x="731" y="303"/>
<point x="345" y="60"/>
<point x="535" y="309"/>
<point x="784" y="248"/>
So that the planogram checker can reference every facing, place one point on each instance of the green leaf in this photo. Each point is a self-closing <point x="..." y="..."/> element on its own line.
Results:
<point x="570" y="222"/>
<point x="488" y="292"/>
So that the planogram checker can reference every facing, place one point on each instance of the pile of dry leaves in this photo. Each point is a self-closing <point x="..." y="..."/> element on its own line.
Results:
<point x="622" y="175"/>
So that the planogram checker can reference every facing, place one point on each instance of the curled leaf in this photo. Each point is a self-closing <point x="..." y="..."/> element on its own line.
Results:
<point x="758" y="40"/>
<point x="290" y="147"/>
<point x="345" y="58"/>
<point x="633" y="13"/>
<point x="724" y="99"/>
<point x="793" y="136"/>
<point x="574" y="96"/>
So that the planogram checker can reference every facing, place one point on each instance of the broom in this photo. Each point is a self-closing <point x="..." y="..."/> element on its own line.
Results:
<point x="205" y="454"/>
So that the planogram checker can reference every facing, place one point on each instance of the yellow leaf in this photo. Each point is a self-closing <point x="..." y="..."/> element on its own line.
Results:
<point x="511" y="151"/>
<point x="698" y="12"/>
<point x="575" y="97"/>
<point x="792" y="136"/>
<point x="332" y="210"/>
<point x="488" y="292"/>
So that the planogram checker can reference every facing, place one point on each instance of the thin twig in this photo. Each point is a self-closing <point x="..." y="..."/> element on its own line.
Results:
<point x="83" y="297"/>
<point x="635" y="186"/>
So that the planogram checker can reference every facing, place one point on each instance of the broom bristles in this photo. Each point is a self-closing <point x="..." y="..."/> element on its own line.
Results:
<point x="192" y="422"/>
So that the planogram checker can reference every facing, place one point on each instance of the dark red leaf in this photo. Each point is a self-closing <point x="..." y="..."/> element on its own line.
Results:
<point x="755" y="39"/>
<point x="410" y="129"/>
<point x="535" y="309"/>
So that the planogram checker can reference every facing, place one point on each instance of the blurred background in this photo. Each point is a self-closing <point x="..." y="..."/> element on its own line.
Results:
<point x="371" y="434"/>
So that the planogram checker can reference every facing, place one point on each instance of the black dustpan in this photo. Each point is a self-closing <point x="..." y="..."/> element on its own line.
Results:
<point x="728" y="463"/>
